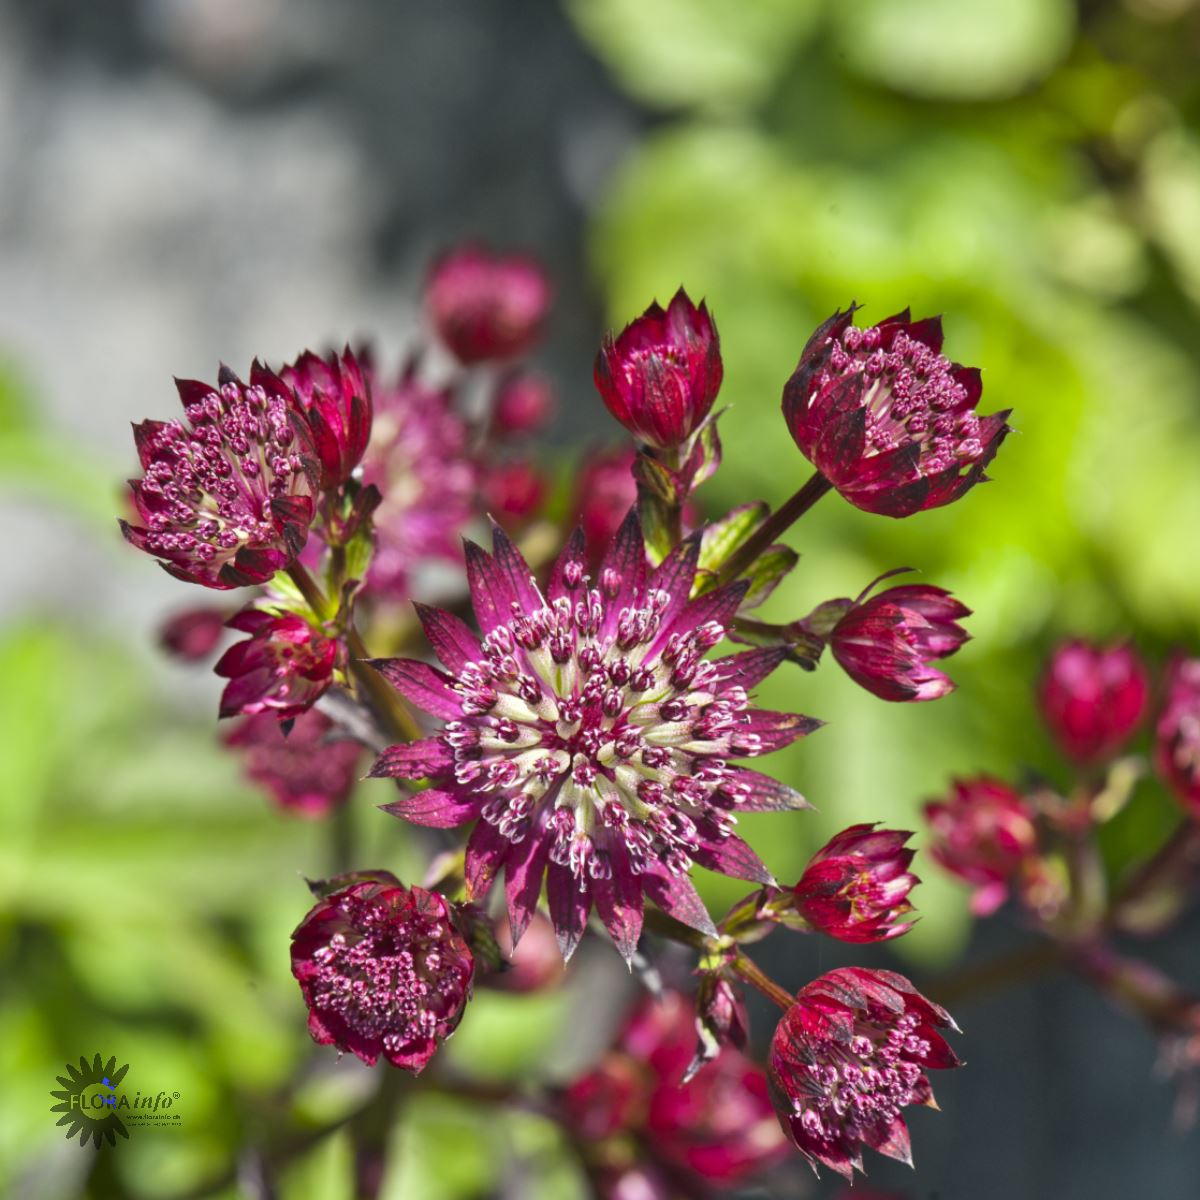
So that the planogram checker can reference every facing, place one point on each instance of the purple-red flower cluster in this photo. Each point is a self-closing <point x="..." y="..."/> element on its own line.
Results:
<point x="1093" y="698"/>
<point x="887" y="418"/>
<point x="590" y="737"/>
<point x="887" y="643"/>
<point x="384" y="972"/>
<point x="335" y="397"/>
<point x="660" y="376"/>
<point x="847" y="1058"/>
<point x="856" y="887"/>
<point x="714" y="1131"/>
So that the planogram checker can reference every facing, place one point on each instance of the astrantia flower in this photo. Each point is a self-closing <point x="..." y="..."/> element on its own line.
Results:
<point x="659" y="378"/>
<point x="1177" y="735"/>
<point x="487" y="306"/>
<point x="983" y="833"/>
<point x="847" y="1058"/>
<point x="336" y="400"/>
<point x="856" y="887"/>
<point x="590" y="737"/>
<point x="308" y="771"/>
<point x="383" y="972"/>
<point x="513" y="491"/>
<point x="1093" y="698"/>
<point x="418" y="458"/>
<point x="717" y="1129"/>
<point x="226" y="498"/>
<point x="283" y="667"/>
<point x="886" y="643"/>
<point x="886" y="418"/>
<point x="524" y="402"/>
<point x="604" y="491"/>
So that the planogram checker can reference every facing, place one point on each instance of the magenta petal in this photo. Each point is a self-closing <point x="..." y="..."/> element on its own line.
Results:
<point x="572" y="558"/>
<point x="434" y="809"/>
<point x="732" y="856"/>
<point x="486" y="851"/>
<point x="718" y="607"/>
<point x="675" y="575"/>
<point x="623" y="570"/>
<point x="619" y="904"/>
<point x="765" y="731"/>
<point x="414" y="760"/>
<point x="511" y="563"/>
<point x="569" y="907"/>
<point x="523" y="873"/>
<point x="755" y="792"/>
<point x="450" y="636"/>
<point x="676" y="895"/>
<point x="751" y="667"/>
<point x="492" y="594"/>
<point x="420" y="684"/>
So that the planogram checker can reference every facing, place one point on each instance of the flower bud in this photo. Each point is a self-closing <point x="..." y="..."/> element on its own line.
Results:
<point x="194" y="634"/>
<point x="1093" y="698"/>
<point x="983" y="833"/>
<point x="847" y="1058"/>
<point x="886" y="644"/>
<point x="721" y="1020"/>
<point x="513" y="491"/>
<point x="659" y="378"/>
<point x="383" y="972"/>
<point x="886" y="418"/>
<point x="524" y="403"/>
<point x="1177" y="735"/>
<point x="486" y="306"/>
<point x="856" y="888"/>
<point x="309" y="771"/>
<point x="284" y="666"/>
<point x="336" y="400"/>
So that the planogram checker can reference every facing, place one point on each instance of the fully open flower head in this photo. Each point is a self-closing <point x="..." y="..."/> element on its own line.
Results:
<point x="383" y="971"/>
<point x="886" y="418"/>
<point x="659" y="378"/>
<point x="1093" y="698"/>
<point x="983" y="833"/>
<point x="847" y="1058"/>
<point x="487" y="306"/>
<point x="227" y="497"/>
<point x="336" y="399"/>
<point x="717" y="1129"/>
<point x="284" y="666"/>
<point x="856" y="887"/>
<point x="590" y="736"/>
<point x="887" y="643"/>
<point x="1177" y="735"/>
<point x="419" y="460"/>
<point x="308" y="771"/>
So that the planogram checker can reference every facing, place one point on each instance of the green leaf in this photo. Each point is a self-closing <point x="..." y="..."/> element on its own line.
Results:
<point x="768" y="571"/>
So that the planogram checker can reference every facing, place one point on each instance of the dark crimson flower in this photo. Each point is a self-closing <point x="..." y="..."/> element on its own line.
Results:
<point x="193" y="634"/>
<point x="847" y="1058"/>
<point x="717" y="1129"/>
<point x="486" y="306"/>
<point x="886" y="418"/>
<point x="383" y="971"/>
<point x="283" y="667"/>
<point x="419" y="460"/>
<point x="983" y="833"/>
<point x="659" y="378"/>
<point x="886" y="643"/>
<point x="227" y="498"/>
<point x="1093" y="698"/>
<point x="591" y="737"/>
<point x="856" y="887"/>
<point x="309" y="771"/>
<point x="513" y="491"/>
<point x="604" y="492"/>
<point x="1177" y="736"/>
<point x="336" y="399"/>
<point x="524" y="403"/>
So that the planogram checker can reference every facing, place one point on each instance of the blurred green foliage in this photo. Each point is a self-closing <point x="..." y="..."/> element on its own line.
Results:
<point x="1032" y="174"/>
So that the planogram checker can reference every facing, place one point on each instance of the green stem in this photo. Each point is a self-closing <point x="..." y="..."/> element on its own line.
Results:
<point x="387" y="706"/>
<point x="768" y="532"/>
<point x="754" y="975"/>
